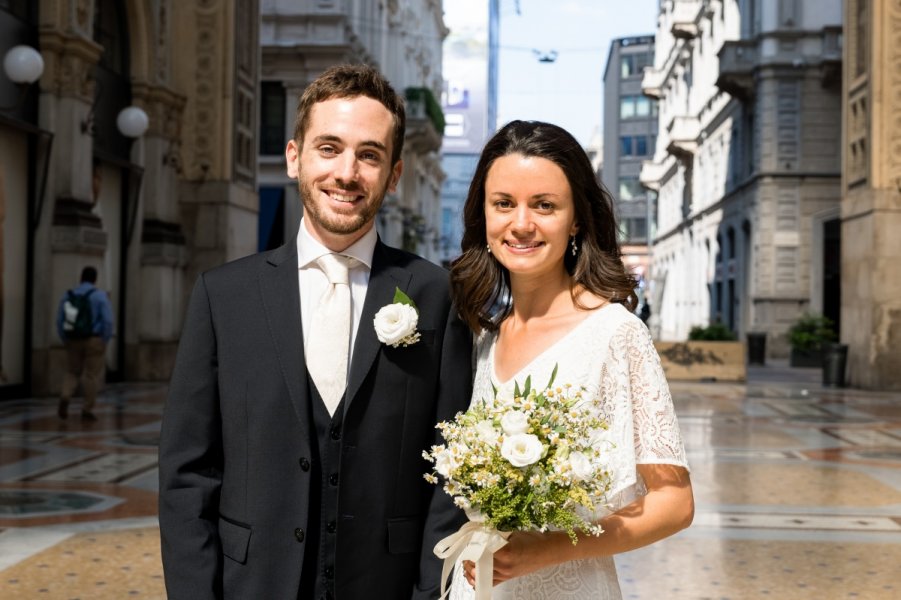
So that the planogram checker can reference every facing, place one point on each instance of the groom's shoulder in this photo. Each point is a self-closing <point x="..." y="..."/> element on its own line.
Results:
<point x="414" y="263"/>
<point x="241" y="270"/>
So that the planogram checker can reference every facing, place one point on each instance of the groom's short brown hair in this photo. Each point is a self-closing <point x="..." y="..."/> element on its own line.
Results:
<point x="352" y="81"/>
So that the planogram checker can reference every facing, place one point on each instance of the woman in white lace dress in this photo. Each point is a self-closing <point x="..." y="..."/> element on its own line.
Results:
<point x="541" y="281"/>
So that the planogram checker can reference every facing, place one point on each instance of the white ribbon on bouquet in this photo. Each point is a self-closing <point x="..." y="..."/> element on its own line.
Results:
<point x="477" y="542"/>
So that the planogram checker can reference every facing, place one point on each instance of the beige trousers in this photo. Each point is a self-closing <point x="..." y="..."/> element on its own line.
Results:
<point x="84" y="361"/>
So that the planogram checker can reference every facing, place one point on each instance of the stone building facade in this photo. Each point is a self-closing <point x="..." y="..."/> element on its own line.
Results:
<point x="149" y="213"/>
<point x="871" y="193"/>
<point x="403" y="38"/>
<point x="747" y="165"/>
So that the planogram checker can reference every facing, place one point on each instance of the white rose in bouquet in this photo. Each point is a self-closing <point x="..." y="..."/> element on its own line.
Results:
<point x="486" y="432"/>
<point x="514" y="422"/>
<point x="581" y="467"/>
<point x="522" y="449"/>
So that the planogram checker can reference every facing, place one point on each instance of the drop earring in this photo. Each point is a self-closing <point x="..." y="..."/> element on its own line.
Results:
<point x="489" y="248"/>
<point x="573" y="246"/>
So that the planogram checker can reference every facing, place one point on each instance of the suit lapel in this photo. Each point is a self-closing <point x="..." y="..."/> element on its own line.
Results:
<point x="281" y="300"/>
<point x="383" y="279"/>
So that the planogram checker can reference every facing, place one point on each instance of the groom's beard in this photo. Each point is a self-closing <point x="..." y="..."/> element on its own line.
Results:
<point x="339" y="224"/>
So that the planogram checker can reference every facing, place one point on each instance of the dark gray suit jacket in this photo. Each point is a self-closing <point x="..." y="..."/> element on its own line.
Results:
<point x="236" y="437"/>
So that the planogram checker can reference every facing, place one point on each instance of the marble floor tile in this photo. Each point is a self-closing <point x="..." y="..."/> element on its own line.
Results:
<point x="797" y="488"/>
<point x="686" y="569"/>
<point x="98" y="565"/>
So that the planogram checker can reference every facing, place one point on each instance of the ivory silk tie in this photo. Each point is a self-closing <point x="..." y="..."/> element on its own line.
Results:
<point x="329" y="339"/>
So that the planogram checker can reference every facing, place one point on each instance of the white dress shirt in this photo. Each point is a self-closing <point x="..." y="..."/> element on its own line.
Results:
<point x="313" y="281"/>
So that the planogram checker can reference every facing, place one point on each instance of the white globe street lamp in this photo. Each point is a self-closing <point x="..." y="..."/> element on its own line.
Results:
<point x="132" y="122"/>
<point x="23" y="64"/>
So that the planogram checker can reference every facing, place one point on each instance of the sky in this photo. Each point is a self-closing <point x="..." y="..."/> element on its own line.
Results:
<point x="566" y="92"/>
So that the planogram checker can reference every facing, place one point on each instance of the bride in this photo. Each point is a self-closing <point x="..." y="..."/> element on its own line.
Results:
<point x="542" y="283"/>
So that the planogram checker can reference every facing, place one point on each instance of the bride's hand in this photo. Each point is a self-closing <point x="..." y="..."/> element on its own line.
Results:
<point x="525" y="552"/>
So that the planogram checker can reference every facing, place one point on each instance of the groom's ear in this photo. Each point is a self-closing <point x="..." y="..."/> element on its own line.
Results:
<point x="396" y="170"/>
<point x="292" y="158"/>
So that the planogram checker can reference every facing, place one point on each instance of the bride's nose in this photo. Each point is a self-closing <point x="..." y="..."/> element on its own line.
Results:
<point x="522" y="220"/>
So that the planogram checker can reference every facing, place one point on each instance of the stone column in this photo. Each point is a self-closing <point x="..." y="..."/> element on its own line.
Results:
<point x="871" y="186"/>
<point x="216" y="66"/>
<point x="157" y="249"/>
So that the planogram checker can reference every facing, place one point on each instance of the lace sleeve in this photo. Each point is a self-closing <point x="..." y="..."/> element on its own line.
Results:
<point x="656" y="430"/>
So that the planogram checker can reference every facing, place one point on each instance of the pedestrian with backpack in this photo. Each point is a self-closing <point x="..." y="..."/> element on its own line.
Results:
<point x="84" y="322"/>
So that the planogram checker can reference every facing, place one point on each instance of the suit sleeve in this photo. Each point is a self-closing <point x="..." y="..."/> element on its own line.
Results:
<point x="191" y="461"/>
<point x="454" y="391"/>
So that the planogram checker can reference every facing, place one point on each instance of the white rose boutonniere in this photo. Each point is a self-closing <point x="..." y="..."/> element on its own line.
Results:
<point x="395" y="324"/>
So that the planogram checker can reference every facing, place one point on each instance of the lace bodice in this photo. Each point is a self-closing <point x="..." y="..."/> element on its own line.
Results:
<point x="611" y="355"/>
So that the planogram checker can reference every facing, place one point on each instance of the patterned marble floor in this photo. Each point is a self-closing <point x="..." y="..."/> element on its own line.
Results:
<point x="798" y="492"/>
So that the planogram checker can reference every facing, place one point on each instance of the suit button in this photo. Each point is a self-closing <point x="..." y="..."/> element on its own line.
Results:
<point x="333" y="479"/>
<point x="304" y="464"/>
<point x="335" y="433"/>
<point x="329" y="572"/>
<point x="298" y="533"/>
<point x="331" y="527"/>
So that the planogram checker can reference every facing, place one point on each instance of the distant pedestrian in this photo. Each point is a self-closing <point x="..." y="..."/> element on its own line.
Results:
<point x="84" y="322"/>
<point x="645" y="313"/>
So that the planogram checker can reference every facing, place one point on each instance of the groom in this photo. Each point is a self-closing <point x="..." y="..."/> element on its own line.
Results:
<point x="291" y="446"/>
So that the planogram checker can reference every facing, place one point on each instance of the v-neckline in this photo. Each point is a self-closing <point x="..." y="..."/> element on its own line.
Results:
<point x="491" y="352"/>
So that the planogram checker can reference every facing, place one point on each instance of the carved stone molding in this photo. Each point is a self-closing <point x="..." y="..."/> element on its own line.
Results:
<point x="82" y="16"/>
<point x="76" y="229"/>
<point x="69" y="61"/>
<point x="163" y="243"/>
<point x="164" y="107"/>
<point x="204" y="132"/>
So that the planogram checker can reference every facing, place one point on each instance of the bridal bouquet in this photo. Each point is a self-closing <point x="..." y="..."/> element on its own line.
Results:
<point x="524" y="463"/>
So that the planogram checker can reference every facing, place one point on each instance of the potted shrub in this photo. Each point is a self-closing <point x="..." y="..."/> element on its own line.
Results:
<point x="808" y="337"/>
<point x="715" y="332"/>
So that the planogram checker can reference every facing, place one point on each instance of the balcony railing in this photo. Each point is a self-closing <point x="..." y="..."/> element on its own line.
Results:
<point x="652" y="83"/>
<point x="738" y="59"/>
<point x="683" y="135"/>
<point x="651" y="175"/>
<point x="684" y="20"/>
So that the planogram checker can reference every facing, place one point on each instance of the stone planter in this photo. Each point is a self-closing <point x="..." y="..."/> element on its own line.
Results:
<point x="697" y="360"/>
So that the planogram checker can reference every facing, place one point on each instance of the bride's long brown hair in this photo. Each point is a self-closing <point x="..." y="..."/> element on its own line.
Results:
<point x="481" y="286"/>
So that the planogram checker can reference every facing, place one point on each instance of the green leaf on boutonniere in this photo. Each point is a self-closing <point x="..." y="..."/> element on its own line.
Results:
<point x="402" y="298"/>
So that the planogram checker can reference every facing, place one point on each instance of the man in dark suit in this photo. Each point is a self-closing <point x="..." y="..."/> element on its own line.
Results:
<point x="291" y="447"/>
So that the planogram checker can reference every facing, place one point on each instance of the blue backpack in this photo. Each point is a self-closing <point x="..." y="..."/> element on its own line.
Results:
<point x="79" y="318"/>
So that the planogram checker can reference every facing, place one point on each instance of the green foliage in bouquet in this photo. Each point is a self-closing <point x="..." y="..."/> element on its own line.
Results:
<point x="531" y="462"/>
